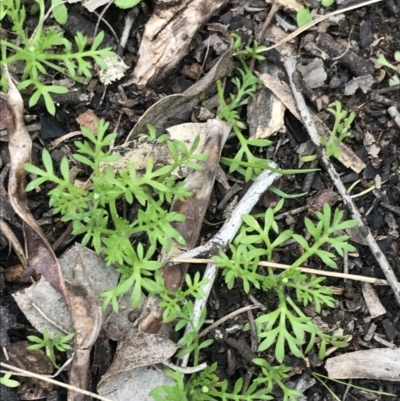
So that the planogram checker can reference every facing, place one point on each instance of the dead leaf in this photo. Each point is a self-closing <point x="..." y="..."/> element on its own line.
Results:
<point x="39" y="254"/>
<point x="44" y="306"/>
<point x="364" y="83"/>
<point x="376" y="364"/>
<point x="135" y="384"/>
<point x="86" y="316"/>
<point x="34" y="361"/>
<point x="167" y="37"/>
<point x="89" y="120"/>
<point x="139" y="349"/>
<point x="314" y="74"/>
<point x="168" y="110"/>
<point x="130" y="376"/>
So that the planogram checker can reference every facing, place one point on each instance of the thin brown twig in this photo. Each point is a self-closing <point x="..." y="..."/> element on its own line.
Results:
<point x="227" y="317"/>
<point x="100" y="18"/>
<point x="273" y="10"/>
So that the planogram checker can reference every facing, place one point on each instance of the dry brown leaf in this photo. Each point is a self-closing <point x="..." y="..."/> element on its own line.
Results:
<point x="89" y="120"/>
<point x="34" y="361"/>
<point x="134" y="384"/>
<point x="371" y="298"/>
<point x="86" y="316"/>
<point x="168" y="110"/>
<point x="139" y="150"/>
<point x="167" y="37"/>
<point x="39" y="254"/>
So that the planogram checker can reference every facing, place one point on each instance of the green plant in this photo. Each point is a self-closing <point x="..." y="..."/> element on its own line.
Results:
<point x="395" y="79"/>
<point x="246" y="86"/>
<point x="286" y="325"/>
<point x="47" y="49"/>
<point x="205" y="385"/>
<point x="244" y="161"/>
<point x="340" y="130"/>
<point x="124" y="4"/>
<point x="7" y="381"/>
<point x="94" y="212"/>
<point x="303" y="16"/>
<point x="50" y="344"/>
<point x="383" y="61"/>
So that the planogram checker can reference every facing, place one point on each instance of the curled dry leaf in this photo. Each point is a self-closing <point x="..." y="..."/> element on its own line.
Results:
<point x="167" y="37"/>
<point x="39" y="254"/>
<point x="86" y="316"/>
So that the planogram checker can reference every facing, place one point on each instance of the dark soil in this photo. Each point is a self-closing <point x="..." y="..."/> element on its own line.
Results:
<point x="367" y="31"/>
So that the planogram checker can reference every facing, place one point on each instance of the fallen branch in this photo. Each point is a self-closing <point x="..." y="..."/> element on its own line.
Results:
<point x="290" y="65"/>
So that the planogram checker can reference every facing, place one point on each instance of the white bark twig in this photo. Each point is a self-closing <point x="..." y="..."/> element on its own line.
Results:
<point x="223" y="238"/>
<point x="290" y="65"/>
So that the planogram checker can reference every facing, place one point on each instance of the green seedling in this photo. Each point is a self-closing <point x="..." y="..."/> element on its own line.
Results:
<point x="59" y="343"/>
<point x="245" y="162"/>
<point x="95" y="216"/>
<point x="340" y="130"/>
<point x="124" y="4"/>
<point x="205" y="385"/>
<point x="286" y="324"/>
<point x="47" y="51"/>
<point x="303" y="16"/>
<point x="383" y="61"/>
<point x="7" y="381"/>
<point x="394" y="80"/>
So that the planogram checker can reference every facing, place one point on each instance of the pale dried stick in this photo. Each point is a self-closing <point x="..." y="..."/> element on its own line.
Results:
<point x="55" y="382"/>
<point x="290" y="65"/>
<point x="354" y="277"/>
